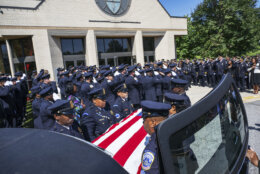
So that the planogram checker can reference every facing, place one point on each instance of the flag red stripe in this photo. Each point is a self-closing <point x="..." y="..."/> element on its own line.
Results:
<point x="113" y="126"/>
<point x="139" y="169"/>
<point x="104" y="144"/>
<point x="125" y="152"/>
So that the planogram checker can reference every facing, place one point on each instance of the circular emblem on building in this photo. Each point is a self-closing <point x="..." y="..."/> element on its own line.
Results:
<point x="114" y="7"/>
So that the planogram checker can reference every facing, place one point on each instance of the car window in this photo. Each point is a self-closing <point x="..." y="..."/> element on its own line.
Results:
<point x="213" y="142"/>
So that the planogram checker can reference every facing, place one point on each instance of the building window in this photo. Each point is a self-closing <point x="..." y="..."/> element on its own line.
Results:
<point x="148" y="43"/>
<point x="4" y="61"/>
<point x="22" y="47"/>
<point x="112" y="45"/>
<point x="72" y="46"/>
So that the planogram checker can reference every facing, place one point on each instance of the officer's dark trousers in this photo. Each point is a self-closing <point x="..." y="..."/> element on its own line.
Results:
<point x="202" y="80"/>
<point x="194" y="79"/>
<point x="242" y="83"/>
<point x="211" y="80"/>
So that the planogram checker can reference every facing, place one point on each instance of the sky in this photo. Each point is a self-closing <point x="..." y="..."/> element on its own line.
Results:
<point x="183" y="7"/>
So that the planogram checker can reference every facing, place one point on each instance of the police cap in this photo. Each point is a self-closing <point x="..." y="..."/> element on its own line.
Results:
<point x="179" y="83"/>
<point x="121" y="88"/>
<point x="35" y="89"/>
<point x="89" y="74"/>
<point x="46" y="76"/>
<point x="131" y="68"/>
<point x="97" y="93"/>
<point x="107" y="73"/>
<point x="149" y="70"/>
<point x="155" y="109"/>
<point x="64" y="107"/>
<point x="2" y="79"/>
<point x="18" y="74"/>
<point x="174" y="99"/>
<point x="46" y="91"/>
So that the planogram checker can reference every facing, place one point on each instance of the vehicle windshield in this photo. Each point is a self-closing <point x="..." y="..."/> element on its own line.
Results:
<point x="213" y="142"/>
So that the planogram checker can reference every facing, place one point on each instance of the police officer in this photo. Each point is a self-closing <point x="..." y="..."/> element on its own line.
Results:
<point x="176" y="101"/>
<point x="62" y="83"/>
<point x="201" y="73"/>
<point x="109" y="84"/>
<point x="62" y="111"/>
<point x="178" y="87"/>
<point x="122" y="106"/>
<point x="167" y="80"/>
<point x="86" y="87"/>
<point x="153" y="114"/>
<point x="149" y="85"/>
<point x="36" y="103"/>
<point x="96" y="120"/>
<point x="45" y="119"/>
<point x="133" y="86"/>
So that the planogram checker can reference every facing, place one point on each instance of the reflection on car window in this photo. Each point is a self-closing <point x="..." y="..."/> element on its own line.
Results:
<point x="212" y="143"/>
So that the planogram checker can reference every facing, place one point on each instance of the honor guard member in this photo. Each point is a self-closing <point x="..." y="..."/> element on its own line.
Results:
<point x="178" y="86"/>
<point x="109" y="84"/>
<point x="149" y="83"/>
<point x="62" y="83"/>
<point x="97" y="119"/>
<point x="167" y="80"/>
<point x="36" y="103"/>
<point x="153" y="114"/>
<point x="201" y="73"/>
<point x="176" y="101"/>
<point x="86" y="87"/>
<point x="62" y="111"/>
<point x="133" y="86"/>
<point x="8" y="105"/>
<point x="45" y="119"/>
<point x="159" y="86"/>
<point x="122" y="106"/>
<point x="46" y="83"/>
<point x="79" y="83"/>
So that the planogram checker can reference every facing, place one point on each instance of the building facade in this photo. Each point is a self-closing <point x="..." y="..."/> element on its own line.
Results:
<point x="47" y="34"/>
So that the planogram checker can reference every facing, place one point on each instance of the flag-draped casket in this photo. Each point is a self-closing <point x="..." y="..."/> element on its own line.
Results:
<point x="125" y="141"/>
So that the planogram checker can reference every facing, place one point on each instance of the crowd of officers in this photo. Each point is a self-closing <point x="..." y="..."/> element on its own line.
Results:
<point x="121" y="89"/>
<point x="91" y="99"/>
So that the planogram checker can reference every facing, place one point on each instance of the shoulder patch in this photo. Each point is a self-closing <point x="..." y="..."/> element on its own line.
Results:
<point x="117" y="115"/>
<point x="147" y="160"/>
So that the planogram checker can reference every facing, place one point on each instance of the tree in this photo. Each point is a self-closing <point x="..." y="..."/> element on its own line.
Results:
<point x="221" y="27"/>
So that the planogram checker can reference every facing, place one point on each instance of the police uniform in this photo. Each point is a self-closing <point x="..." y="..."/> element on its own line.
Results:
<point x="133" y="86"/>
<point x="183" y="84"/>
<point x="45" y="119"/>
<point x="175" y="100"/>
<point x="36" y="103"/>
<point x="149" y="85"/>
<point x="150" y="157"/>
<point x="62" y="83"/>
<point x="64" y="107"/>
<point x="86" y="88"/>
<point x="109" y="86"/>
<point x="122" y="106"/>
<point x="95" y="120"/>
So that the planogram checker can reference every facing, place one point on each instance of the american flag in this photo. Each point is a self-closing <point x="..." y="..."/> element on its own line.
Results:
<point x="125" y="141"/>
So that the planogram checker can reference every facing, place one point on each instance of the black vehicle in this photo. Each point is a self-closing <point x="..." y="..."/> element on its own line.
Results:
<point x="210" y="137"/>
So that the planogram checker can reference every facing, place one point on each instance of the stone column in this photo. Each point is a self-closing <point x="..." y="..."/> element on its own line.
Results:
<point x="165" y="47"/>
<point x="91" y="49"/>
<point x="42" y="52"/>
<point x="10" y="57"/>
<point x="139" y="48"/>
